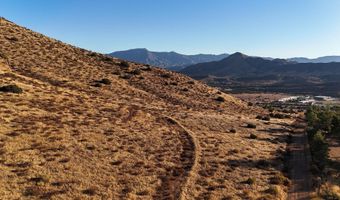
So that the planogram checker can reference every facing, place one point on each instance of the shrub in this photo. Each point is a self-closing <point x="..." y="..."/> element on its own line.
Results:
<point x="220" y="99"/>
<point x="124" y="64"/>
<point x="12" y="38"/>
<point x="273" y="190"/>
<point x="252" y="136"/>
<point x="232" y="130"/>
<point x="104" y="81"/>
<point x="250" y="125"/>
<point x="11" y="89"/>
<point x="165" y="75"/>
<point x="90" y="191"/>
<point x="266" y="118"/>
<point x="319" y="149"/>
<point x="97" y="85"/>
<point x="136" y="72"/>
<point x="328" y="193"/>
<point x="263" y="164"/>
<point x="280" y="179"/>
<point x="250" y="181"/>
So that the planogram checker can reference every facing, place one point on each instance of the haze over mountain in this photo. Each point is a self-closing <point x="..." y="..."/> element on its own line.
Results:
<point x="241" y="70"/>
<point x="170" y="60"/>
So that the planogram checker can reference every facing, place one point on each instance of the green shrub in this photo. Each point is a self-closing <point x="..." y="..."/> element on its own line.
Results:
<point x="319" y="149"/>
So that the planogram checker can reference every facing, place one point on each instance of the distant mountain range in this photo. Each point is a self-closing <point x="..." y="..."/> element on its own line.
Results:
<point x="277" y="74"/>
<point x="176" y="61"/>
<point x="169" y="60"/>
<point x="325" y="59"/>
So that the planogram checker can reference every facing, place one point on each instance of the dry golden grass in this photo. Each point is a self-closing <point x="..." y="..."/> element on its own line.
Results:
<point x="150" y="134"/>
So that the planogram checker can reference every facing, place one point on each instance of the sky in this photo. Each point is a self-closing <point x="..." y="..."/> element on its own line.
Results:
<point x="273" y="28"/>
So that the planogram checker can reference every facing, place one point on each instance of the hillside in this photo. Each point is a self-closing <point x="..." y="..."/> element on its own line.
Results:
<point x="88" y="126"/>
<point x="246" y="73"/>
<point x="170" y="60"/>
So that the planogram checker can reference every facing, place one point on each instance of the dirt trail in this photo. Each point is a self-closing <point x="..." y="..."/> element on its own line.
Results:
<point x="175" y="183"/>
<point x="299" y="163"/>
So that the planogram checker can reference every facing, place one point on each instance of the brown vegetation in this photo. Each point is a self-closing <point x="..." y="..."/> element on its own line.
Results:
<point x="138" y="136"/>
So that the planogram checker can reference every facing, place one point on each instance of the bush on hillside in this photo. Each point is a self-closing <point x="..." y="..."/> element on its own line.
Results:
<point x="165" y="75"/>
<point x="253" y="136"/>
<point x="250" y="125"/>
<point x="124" y="64"/>
<point x="11" y="89"/>
<point x="104" y="81"/>
<point x="220" y="99"/>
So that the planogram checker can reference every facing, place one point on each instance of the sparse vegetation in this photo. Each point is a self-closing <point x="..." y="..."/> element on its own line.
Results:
<point x="250" y="181"/>
<point x="11" y="89"/>
<point x="253" y="136"/>
<point x="250" y="125"/>
<point x="165" y="75"/>
<point x="273" y="190"/>
<point x="124" y="64"/>
<point x="59" y="140"/>
<point x="125" y="76"/>
<point x="232" y="130"/>
<point x="12" y="38"/>
<point x="136" y="72"/>
<point x="279" y="179"/>
<point x="104" y="81"/>
<point x="220" y="99"/>
<point x="323" y="125"/>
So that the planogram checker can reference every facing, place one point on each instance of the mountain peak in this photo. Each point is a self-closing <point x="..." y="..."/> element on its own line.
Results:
<point x="238" y="55"/>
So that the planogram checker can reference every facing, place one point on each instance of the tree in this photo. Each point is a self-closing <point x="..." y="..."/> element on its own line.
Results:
<point x="319" y="149"/>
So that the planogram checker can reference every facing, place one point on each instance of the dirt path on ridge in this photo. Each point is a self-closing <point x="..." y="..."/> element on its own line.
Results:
<point x="299" y="164"/>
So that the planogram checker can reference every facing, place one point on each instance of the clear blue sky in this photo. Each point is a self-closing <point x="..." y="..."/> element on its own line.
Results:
<point x="276" y="28"/>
